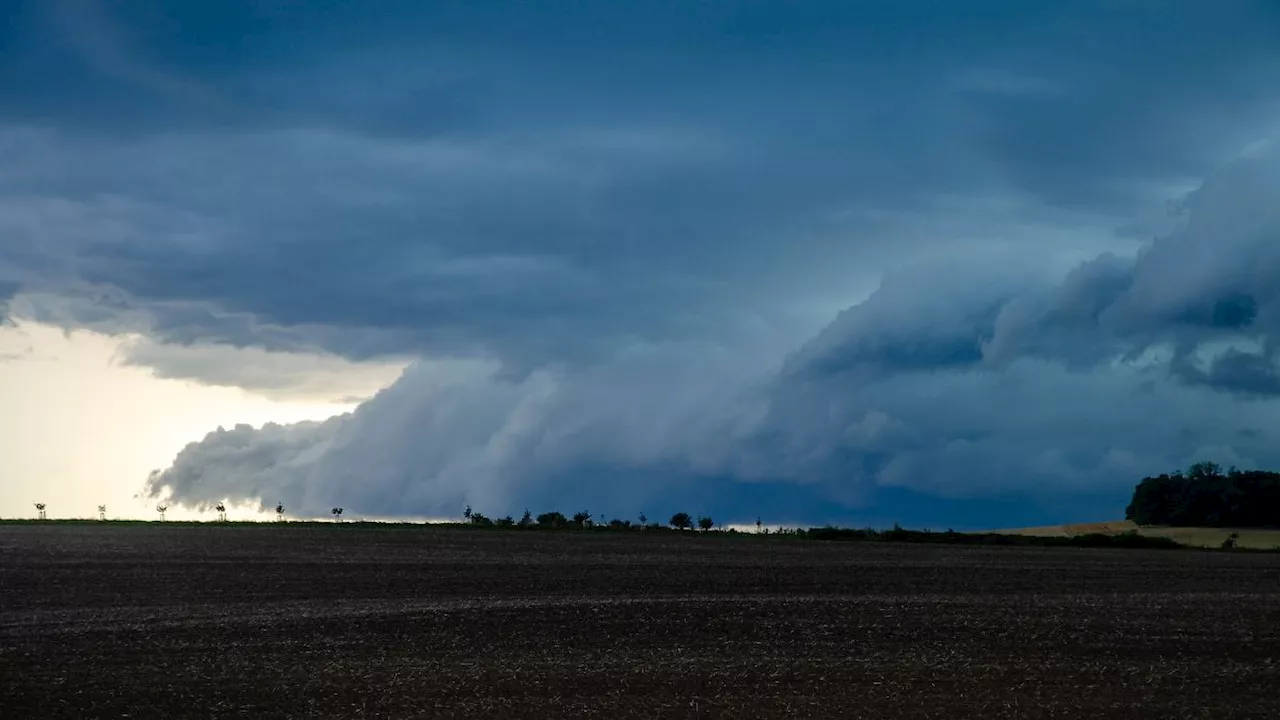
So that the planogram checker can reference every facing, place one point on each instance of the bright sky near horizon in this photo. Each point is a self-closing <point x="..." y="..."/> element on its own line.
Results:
<point x="80" y="428"/>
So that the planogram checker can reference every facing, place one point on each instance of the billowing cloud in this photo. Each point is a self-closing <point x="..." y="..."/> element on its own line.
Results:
<point x="611" y="242"/>
<point x="1126" y="365"/>
<point x="948" y="381"/>
<point x="460" y="432"/>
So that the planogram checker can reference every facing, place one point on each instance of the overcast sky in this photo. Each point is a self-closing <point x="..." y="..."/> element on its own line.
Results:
<point x="979" y="264"/>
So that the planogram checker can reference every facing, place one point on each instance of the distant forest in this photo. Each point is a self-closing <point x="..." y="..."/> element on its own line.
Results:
<point x="1205" y="496"/>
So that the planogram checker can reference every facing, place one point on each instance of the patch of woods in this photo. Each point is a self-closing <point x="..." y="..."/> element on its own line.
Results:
<point x="1205" y="496"/>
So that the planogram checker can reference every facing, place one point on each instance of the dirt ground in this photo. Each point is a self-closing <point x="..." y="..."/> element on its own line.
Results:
<point x="170" y="621"/>
<point x="1249" y="538"/>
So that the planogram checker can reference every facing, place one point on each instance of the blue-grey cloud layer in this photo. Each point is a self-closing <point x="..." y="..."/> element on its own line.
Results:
<point x="630" y="224"/>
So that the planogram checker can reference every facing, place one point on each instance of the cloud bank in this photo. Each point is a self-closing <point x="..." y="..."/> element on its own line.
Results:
<point x="947" y="381"/>
<point x="609" y="244"/>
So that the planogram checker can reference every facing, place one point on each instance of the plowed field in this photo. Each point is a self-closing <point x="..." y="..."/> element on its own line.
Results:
<point x="171" y="621"/>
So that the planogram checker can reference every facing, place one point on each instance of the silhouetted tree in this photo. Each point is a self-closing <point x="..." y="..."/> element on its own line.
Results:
<point x="40" y="510"/>
<point x="466" y="512"/>
<point x="337" y="514"/>
<point x="759" y="524"/>
<point x="644" y="521"/>
<point x="161" y="508"/>
<point x="1202" y="470"/>
<point x="506" y="522"/>
<point x="526" y="520"/>
<point x="102" y="512"/>
<point x="279" y="512"/>
<point x="581" y="518"/>
<point x="222" y="511"/>
<point x="552" y="520"/>
<point x="480" y="520"/>
<point x="706" y="523"/>
<point x="681" y="521"/>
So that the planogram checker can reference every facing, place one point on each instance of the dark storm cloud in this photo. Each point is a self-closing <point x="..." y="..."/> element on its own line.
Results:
<point x="952" y="381"/>
<point x="1134" y="99"/>
<point x="593" y="174"/>
<point x="620" y="221"/>
<point x="1249" y="374"/>
<point x="1126" y="364"/>
<point x="1215" y="280"/>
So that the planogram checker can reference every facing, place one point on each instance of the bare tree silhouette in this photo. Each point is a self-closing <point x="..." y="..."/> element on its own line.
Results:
<point x="102" y="512"/>
<point x="161" y="508"/>
<point x="40" y="509"/>
<point x="337" y="514"/>
<point x="222" y="511"/>
<point x="279" y="512"/>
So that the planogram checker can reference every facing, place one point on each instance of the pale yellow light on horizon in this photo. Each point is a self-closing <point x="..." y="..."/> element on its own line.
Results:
<point x="79" y="429"/>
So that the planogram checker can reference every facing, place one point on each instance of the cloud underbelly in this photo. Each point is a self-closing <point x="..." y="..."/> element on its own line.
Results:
<point x="951" y="383"/>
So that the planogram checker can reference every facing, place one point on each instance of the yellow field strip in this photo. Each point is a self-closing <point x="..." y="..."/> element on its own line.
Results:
<point x="1193" y="536"/>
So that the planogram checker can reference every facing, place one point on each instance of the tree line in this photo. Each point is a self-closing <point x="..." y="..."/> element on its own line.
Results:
<point x="584" y="519"/>
<point x="1205" y="496"/>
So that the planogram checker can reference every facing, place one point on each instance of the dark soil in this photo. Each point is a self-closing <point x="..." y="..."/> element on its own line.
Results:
<point x="169" y="621"/>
